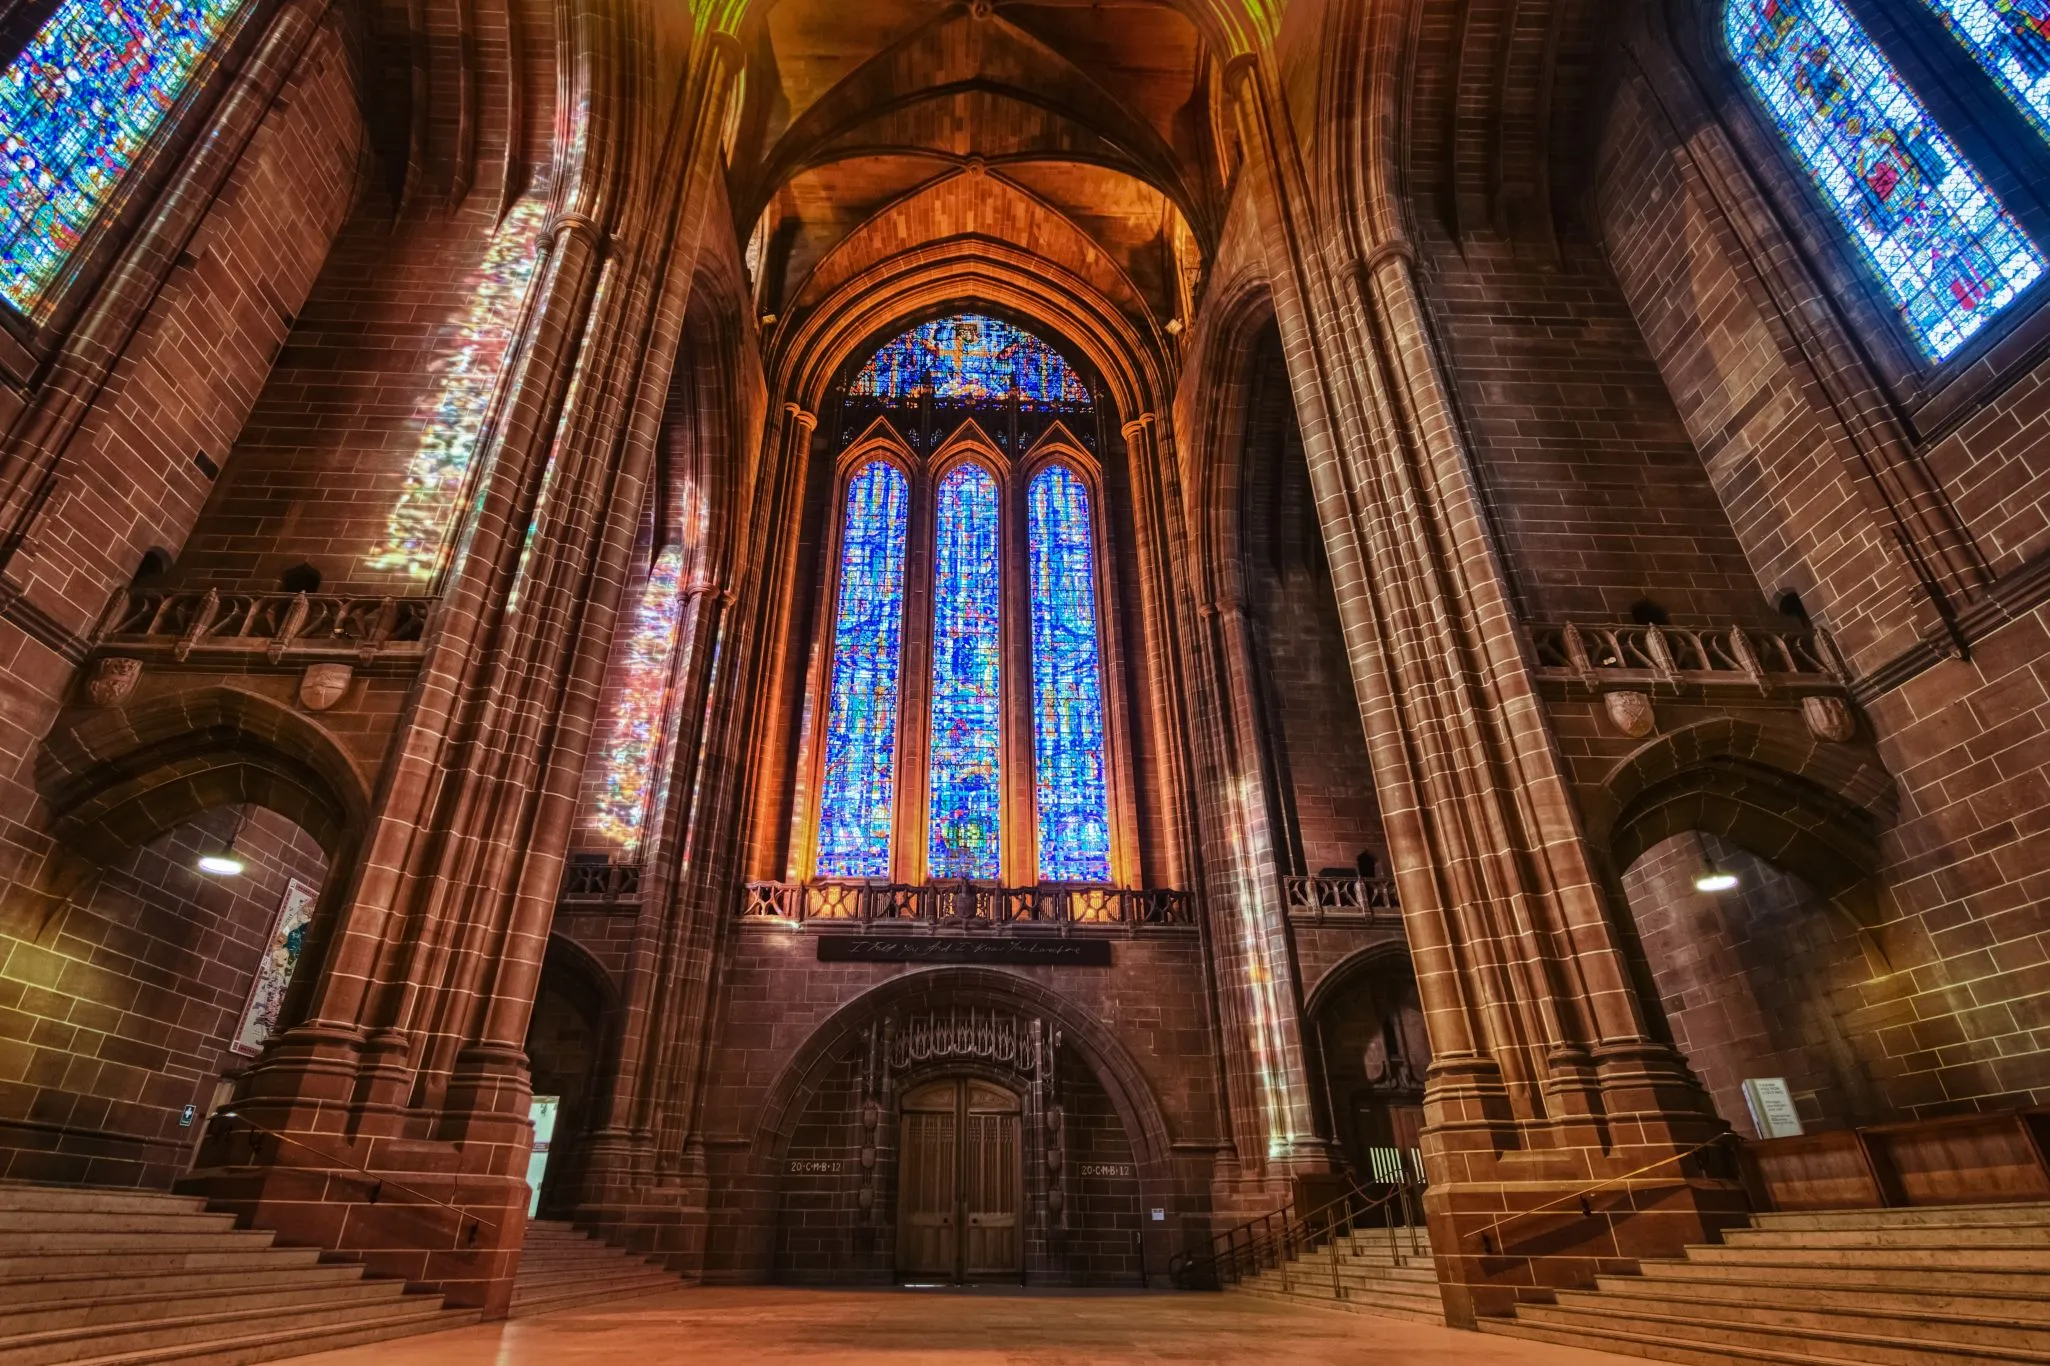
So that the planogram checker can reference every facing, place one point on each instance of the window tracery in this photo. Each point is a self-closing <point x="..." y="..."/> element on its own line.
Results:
<point x="1948" y="255"/>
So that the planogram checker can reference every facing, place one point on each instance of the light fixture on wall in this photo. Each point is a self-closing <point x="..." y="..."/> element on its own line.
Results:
<point x="1714" y="878"/>
<point x="224" y="861"/>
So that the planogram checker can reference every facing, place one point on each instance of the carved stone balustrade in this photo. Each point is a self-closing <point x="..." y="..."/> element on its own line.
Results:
<point x="602" y="886"/>
<point x="1060" y="906"/>
<point x="1366" y="901"/>
<point x="1673" y="657"/>
<point x="211" y="626"/>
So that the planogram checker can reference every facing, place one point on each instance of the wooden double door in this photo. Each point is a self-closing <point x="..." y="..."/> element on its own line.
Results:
<point x="960" y="1182"/>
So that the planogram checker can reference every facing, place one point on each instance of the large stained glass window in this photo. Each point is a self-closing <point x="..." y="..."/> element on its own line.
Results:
<point x="2011" y="39"/>
<point x="974" y="359"/>
<point x="856" y="794"/>
<point x="1067" y="682"/>
<point x="637" y="718"/>
<point x="1950" y="257"/>
<point x="450" y="415"/>
<point x="967" y="698"/>
<point x="78" y="107"/>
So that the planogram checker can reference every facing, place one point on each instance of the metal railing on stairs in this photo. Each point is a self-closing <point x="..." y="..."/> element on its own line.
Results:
<point x="1283" y="1239"/>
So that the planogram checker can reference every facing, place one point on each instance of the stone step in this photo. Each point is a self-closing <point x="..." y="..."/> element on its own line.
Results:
<point x="172" y="1330"/>
<point x="94" y="1199"/>
<point x="562" y="1267"/>
<point x="18" y="1223"/>
<point x="171" y="1283"/>
<point x="1724" y="1332"/>
<point x="272" y="1345"/>
<point x="2022" y="1283"/>
<point x="1891" y="1235"/>
<point x="1414" y="1309"/>
<point x="1852" y="1297"/>
<point x="1896" y="1318"/>
<point x="632" y="1275"/>
<point x="570" y="1297"/>
<point x="112" y="1309"/>
<point x="145" y="1240"/>
<point x="206" y="1255"/>
<point x="2030" y="1215"/>
<point x="1654" y="1348"/>
<point x="1857" y="1258"/>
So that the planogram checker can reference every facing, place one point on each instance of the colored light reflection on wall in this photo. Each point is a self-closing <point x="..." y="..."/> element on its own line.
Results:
<point x="1950" y="257"/>
<point x="967" y="684"/>
<point x="78" y="107"/>
<point x="1067" y="685"/>
<point x="451" y="419"/>
<point x="636" y="733"/>
<point x="859" y="786"/>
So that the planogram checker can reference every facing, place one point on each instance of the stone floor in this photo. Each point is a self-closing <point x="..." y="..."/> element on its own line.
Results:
<point x="756" y="1327"/>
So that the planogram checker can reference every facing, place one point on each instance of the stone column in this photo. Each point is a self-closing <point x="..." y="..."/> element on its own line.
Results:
<point x="1545" y="1083"/>
<point x="392" y="1121"/>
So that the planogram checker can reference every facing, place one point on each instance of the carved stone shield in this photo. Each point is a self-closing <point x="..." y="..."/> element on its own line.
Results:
<point x="1630" y="713"/>
<point x="1829" y="718"/>
<point x="323" y="685"/>
<point x="111" y="680"/>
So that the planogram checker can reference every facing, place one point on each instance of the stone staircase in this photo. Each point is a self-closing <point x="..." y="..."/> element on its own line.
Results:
<point x="561" y="1267"/>
<point x="97" y="1277"/>
<point x="1910" y="1287"/>
<point x="1372" y="1276"/>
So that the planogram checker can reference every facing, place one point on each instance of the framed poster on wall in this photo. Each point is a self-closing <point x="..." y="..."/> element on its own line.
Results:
<point x="274" y="970"/>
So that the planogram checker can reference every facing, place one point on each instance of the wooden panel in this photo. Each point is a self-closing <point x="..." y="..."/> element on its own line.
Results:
<point x="927" y="1199"/>
<point x="993" y="1191"/>
<point x="1815" y="1171"/>
<point x="1967" y="1159"/>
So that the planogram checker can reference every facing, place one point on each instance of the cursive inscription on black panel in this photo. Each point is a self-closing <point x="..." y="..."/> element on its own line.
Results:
<point x="853" y="948"/>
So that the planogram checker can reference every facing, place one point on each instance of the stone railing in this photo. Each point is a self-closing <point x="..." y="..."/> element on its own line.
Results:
<point x="275" y="626"/>
<point x="965" y="905"/>
<point x="1641" y="656"/>
<point x="1343" y="900"/>
<point x="608" y="885"/>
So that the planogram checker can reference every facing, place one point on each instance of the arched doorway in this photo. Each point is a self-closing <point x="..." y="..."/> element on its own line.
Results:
<point x="961" y="1185"/>
<point x="566" y="1043"/>
<point x="1368" y="1026"/>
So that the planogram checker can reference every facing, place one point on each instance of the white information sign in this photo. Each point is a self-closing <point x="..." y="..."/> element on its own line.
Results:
<point x="1772" y="1107"/>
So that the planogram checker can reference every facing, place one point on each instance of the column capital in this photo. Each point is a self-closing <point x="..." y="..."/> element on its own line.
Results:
<point x="800" y="416"/>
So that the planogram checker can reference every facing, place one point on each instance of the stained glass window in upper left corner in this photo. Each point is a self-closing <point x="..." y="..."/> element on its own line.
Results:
<point x="77" y="108"/>
<point x="2011" y="40"/>
<point x="1949" y="255"/>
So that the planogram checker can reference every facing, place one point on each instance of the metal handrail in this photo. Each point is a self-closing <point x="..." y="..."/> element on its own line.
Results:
<point x="1490" y="1236"/>
<point x="1268" y="1243"/>
<point x="467" y="1237"/>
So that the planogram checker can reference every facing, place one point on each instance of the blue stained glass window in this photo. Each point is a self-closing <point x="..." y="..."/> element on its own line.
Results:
<point x="971" y="358"/>
<point x="2011" y="39"/>
<point x="77" y="108"/>
<point x="861" y="711"/>
<point x="967" y="697"/>
<point x="1067" y="682"/>
<point x="1951" y="258"/>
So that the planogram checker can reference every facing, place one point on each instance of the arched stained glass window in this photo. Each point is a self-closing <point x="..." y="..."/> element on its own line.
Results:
<point x="861" y="713"/>
<point x="1067" y="682"/>
<point x="637" y="719"/>
<point x="2011" y="40"/>
<point x="1950" y="257"/>
<point x="967" y="683"/>
<point x="78" y="107"/>
<point x="974" y="359"/>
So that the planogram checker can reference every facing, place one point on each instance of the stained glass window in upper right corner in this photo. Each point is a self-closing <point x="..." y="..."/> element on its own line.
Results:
<point x="1948" y="254"/>
<point x="2011" y="40"/>
<point x="78" y="107"/>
